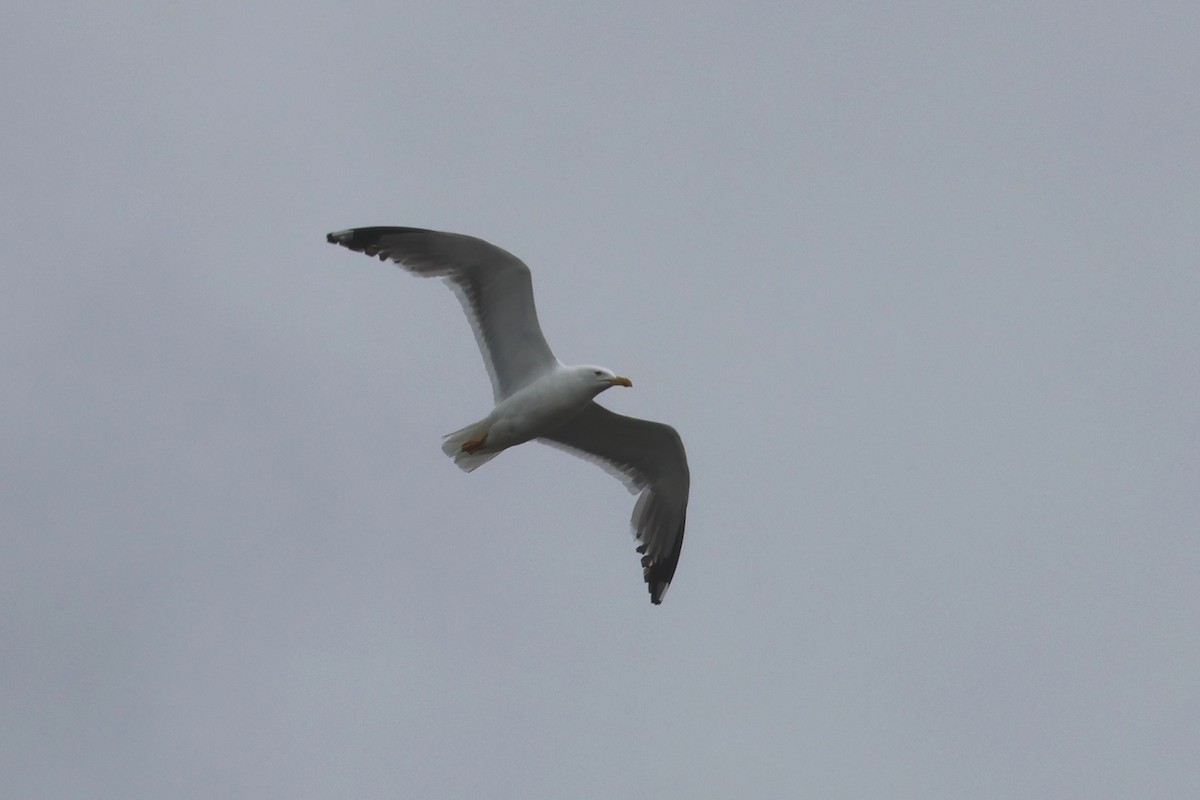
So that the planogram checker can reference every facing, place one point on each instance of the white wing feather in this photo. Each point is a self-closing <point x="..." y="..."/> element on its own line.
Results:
<point x="493" y="285"/>
<point x="648" y="457"/>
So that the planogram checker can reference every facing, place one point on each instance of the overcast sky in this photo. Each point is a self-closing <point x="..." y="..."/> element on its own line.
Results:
<point x="917" y="283"/>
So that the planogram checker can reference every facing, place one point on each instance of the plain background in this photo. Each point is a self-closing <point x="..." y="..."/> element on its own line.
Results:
<point x="918" y="284"/>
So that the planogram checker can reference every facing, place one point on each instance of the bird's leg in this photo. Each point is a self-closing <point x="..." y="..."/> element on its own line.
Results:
<point x="473" y="446"/>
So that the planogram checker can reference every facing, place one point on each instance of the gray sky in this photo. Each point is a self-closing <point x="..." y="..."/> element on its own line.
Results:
<point x="918" y="285"/>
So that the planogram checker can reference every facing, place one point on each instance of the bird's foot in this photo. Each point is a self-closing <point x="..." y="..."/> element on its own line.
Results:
<point x="473" y="446"/>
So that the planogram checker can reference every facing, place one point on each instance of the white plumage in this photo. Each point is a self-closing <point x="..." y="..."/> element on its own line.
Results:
<point x="536" y="396"/>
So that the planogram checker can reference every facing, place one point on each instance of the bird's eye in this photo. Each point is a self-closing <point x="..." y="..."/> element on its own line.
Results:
<point x="598" y="373"/>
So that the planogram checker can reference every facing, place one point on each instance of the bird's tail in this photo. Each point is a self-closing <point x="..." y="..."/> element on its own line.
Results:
<point x="452" y="445"/>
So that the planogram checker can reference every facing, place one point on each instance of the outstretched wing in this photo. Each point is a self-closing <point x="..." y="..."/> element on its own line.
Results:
<point x="493" y="286"/>
<point x="648" y="457"/>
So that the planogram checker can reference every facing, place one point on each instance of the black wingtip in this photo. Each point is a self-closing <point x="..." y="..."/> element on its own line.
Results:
<point x="369" y="240"/>
<point x="658" y="574"/>
<point x="346" y="238"/>
<point x="356" y="238"/>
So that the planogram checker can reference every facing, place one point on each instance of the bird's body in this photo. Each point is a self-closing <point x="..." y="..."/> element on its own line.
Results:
<point x="539" y="398"/>
<point x="531" y="412"/>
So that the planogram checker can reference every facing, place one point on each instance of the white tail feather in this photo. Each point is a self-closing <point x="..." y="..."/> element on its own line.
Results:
<point x="452" y="444"/>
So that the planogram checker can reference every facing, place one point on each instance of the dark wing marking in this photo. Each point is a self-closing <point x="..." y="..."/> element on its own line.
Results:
<point x="648" y="457"/>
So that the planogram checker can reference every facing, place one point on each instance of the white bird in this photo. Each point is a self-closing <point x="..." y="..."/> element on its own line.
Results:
<point x="538" y="397"/>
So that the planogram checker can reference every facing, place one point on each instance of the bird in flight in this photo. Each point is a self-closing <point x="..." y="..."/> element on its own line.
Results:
<point x="537" y="397"/>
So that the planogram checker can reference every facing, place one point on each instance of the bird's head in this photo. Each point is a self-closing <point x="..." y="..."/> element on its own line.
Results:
<point x="600" y="378"/>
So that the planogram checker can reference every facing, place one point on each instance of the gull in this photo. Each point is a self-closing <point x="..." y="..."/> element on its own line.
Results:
<point x="537" y="397"/>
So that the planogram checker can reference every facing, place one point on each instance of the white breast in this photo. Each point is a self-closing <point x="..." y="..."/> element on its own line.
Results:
<point x="538" y="408"/>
